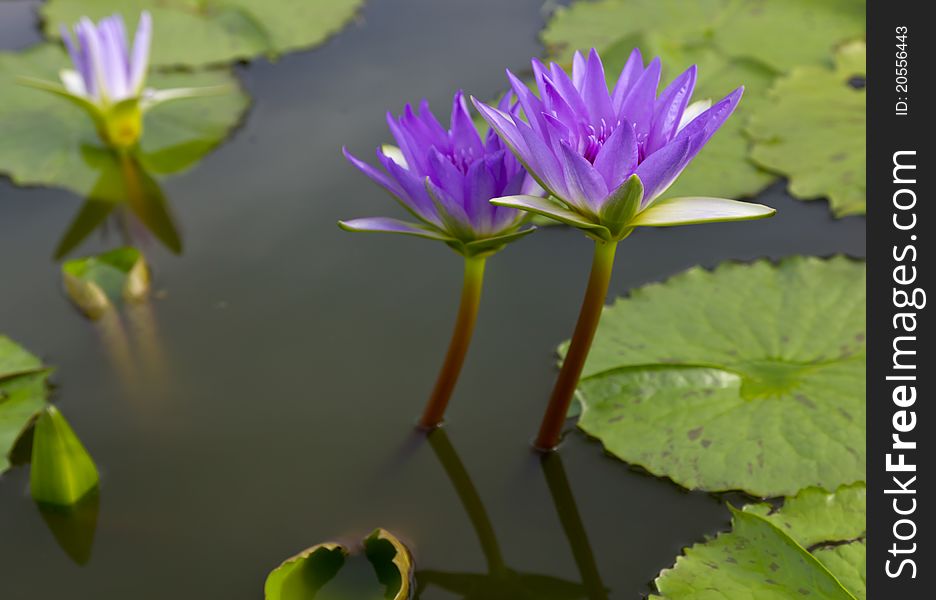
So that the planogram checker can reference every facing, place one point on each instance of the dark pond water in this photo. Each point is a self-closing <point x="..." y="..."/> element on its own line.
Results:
<point x="263" y="400"/>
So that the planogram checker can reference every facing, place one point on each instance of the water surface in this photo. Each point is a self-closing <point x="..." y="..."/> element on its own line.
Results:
<point x="263" y="401"/>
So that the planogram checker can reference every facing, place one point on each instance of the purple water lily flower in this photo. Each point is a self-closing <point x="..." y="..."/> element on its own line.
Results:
<point x="607" y="155"/>
<point x="446" y="179"/>
<point x="107" y="69"/>
<point x="109" y="77"/>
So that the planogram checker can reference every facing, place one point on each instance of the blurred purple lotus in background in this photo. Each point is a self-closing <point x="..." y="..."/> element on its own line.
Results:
<point x="446" y="178"/>
<point x="606" y="156"/>
<point x="109" y="76"/>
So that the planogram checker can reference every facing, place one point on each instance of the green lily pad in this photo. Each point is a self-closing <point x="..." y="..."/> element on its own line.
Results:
<point x="813" y="131"/>
<point x="309" y="573"/>
<point x="848" y="562"/>
<point x="755" y="560"/>
<point x="816" y="516"/>
<point x="96" y="283"/>
<point x="749" y="377"/>
<point x="22" y="394"/>
<point x="61" y="470"/>
<point x="779" y="33"/>
<point x="200" y="32"/>
<point x="829" y="525"/>
<point x="48" y="141"/>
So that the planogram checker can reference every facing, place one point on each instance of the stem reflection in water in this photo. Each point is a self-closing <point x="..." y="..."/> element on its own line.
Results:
<point x="502" y="582"/>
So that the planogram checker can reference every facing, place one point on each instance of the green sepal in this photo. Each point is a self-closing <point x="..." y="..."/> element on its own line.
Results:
<point x="551" y="208"/>
<point x="621" y="206"/>
<point x="452" y="226"/>
<point x="488" y="246"/>
<point x="59" y="90"/>
<point x="62" y="471"/>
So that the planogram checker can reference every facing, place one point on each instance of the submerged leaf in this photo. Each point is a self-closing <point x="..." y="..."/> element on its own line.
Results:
<point x="95" y="283"/>
<point x="62" y="472"/>
<point x="303" y="576"/>
<point x="196" y="34"/>
<point x="748" y="377"/>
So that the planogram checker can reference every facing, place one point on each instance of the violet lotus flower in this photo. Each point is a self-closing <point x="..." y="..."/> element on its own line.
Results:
<point x="109" y="77"/>
<point x="446" y="179"/>
<point x="607" y="156"/>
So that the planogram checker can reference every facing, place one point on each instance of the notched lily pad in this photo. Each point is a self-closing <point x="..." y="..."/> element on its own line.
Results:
<point x="777" y="552"/>
<point x="754" y="560"/>
<point x="197" y="33"/>
<point x="47" y="141"/>
<point x="813" y="131"/>
<point x="23" y="394"/>
<point x="748" y="377"/>
<point x="310" y="572"/>
<point x="96" y="283"/>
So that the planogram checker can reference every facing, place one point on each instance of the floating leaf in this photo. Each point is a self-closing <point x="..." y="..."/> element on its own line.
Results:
<point x="22" y="394"/>
<point x="47" y="141"/>
<point x="813" y="131"/>
<point x="778" y="33"/>
<point x="749" y="377"/>
<point x="95" y="283"/>
<point x="754" y="560"/>
<point x="816" y="516"/>
<point x="848" y="562"/>
<point x="187" y="33"/>
<point x="827" y="524"/>
<point x="306" y="574"/>
<point x="61" y="472"/>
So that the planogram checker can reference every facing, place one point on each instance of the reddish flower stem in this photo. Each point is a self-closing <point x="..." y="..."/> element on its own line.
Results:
<point x="461" y="338"/>
<point x="551" y="429"/>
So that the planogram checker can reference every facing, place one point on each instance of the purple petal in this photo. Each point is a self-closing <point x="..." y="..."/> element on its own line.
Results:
<point x="632" y="70"/>
<point x="463" y="131"/>
<point x="540" y="159"/>
<point x="637" y="107"/>
<point x="702" y="128"/>
<point x="388" y="225"/>
<point x="579" y="68"/>
<point x="380" y="178"/>
<point x="586" y="187"/>
<point x="532" y="107"/>
<point x="414" y="195"/>
<point x="141" y="48"/>
<point x="503" y="124"/>
<point x="669" y="109"/>
<point x="480" y="187"/>
<point x="658" y="171"/>
<point x="91" y="46"/>
<point x="618" y="156"/>
<point x="567" y="90"/>
<point x="595" y="91"/>
<point x="411" y="147"/>
<point x="444" y="174"/>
